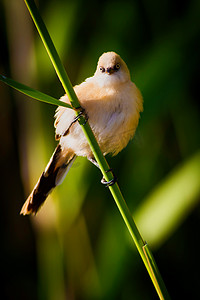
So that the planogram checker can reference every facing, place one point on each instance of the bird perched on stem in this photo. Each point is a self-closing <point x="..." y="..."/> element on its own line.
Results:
<point x="112" y="103"/>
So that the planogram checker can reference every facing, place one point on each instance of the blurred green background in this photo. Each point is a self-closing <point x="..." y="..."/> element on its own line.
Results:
<point x="77" y="247"/>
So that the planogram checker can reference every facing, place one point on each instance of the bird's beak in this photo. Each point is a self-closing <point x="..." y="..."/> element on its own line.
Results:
<point x="109" y="71"/>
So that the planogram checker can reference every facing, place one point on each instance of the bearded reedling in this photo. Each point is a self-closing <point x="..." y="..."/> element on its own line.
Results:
<point x="112" y="103"/>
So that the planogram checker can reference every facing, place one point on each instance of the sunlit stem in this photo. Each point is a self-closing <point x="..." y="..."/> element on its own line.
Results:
<point x="116" y="193"/>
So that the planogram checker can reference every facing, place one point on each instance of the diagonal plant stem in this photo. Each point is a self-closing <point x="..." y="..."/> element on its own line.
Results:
<point x="52" y="52"/>
<point x="142" y="247"/>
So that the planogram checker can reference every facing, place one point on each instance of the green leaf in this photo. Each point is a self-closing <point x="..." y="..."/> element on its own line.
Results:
<point x="32" y="92"/>
<point x="170" y="202"/>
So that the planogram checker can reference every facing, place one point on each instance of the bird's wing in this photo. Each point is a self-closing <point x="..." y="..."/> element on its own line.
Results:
<point x="63" y="118"/>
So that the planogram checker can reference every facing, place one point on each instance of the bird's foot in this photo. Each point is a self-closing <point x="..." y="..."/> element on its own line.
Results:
<point x="83" y="113"/>
<point x="110" y="182"/>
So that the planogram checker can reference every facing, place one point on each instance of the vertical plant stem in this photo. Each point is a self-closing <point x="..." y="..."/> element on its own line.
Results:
<point x="115" y="191"/>
<point x="52" y="52"/>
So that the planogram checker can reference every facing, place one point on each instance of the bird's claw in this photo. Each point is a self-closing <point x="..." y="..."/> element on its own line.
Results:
<point x="81" y="113"/>
<point x="110" y="182"/>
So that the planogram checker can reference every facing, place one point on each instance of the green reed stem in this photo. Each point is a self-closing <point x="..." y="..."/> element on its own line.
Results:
<point x="144" y="251"/>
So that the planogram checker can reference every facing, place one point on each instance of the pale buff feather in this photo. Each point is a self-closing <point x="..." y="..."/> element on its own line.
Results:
<point x="113" y="104"/>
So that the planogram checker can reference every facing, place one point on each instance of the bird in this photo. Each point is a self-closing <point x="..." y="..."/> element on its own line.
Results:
<point x="112" y="104"/>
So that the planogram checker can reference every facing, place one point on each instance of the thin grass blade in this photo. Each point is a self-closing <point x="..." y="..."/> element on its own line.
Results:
<point x="28" y="91"/>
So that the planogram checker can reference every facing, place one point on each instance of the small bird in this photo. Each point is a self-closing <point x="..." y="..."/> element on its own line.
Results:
<point x="112" y="103"/>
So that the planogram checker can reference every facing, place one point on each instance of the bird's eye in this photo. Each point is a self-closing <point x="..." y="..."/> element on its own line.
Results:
<point x="117" y="67"/>
<point x="102" y="69"/>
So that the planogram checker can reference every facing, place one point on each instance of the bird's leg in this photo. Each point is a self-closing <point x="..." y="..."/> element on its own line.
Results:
<point x="81" y="113"/>
<point x="103" y="181"/>
<point x="94" y="162"/>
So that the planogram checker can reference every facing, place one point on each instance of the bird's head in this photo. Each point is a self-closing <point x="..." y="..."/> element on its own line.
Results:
<point x="111" y="70"/>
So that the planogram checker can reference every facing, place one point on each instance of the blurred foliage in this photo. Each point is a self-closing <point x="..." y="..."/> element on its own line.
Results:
<point x="77" y="246"/>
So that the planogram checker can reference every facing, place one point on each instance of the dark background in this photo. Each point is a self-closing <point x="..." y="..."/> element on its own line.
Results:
<point x="77" y="247"/>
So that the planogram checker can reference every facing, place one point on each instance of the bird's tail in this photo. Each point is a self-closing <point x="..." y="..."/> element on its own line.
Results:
<point x="53" y="175"/>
